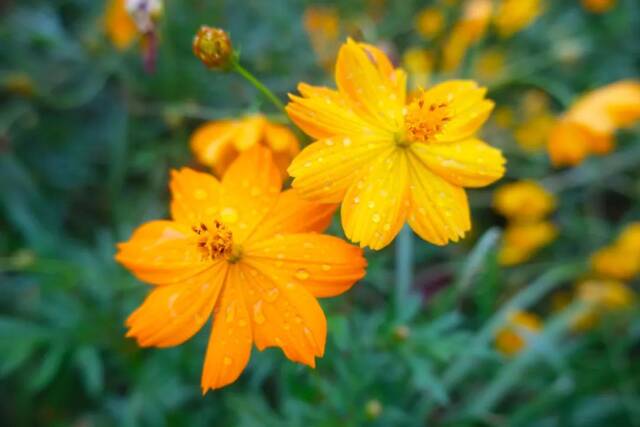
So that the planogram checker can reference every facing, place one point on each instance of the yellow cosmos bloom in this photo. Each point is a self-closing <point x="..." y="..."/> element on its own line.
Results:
<point x="620" y="260"/>
<point x="522" y="240"/>
<point x="521" y="327"/>
<point x="523" y="201"/>
<point x="602" y="296"/>
<point x="589" y="125"/>
<point x="218" y="143"/>
<point x="389" y="162"/>
<point x="119" y="25"/>
<point x="629" y="239"/>
<point x="514" y="15"/>
<point x="490" y="65"/>
<point x="598" y="6"/>
<point x="429" y="22"/>
<point x="248" y="254"/>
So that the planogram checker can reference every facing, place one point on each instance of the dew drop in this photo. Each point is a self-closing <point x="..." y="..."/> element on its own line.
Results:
<point x="231" y="313"/>
<point x="229" y="215"/>
<point x="326" y="267"/>
<point x="302" y="274"/>
<point x="258" y="314"/>
<point x="272" y="294"/>
<point x="375" y="218"/>
<point x="227" y="360"/>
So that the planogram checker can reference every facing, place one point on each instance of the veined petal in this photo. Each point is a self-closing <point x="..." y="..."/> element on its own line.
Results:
<point x="250" y="188"/>
<point x="325" y="265"/>
<point x="162" y="252"/>
<point x="325" y="169"/>
<point x="323" y="112"/>
<point x="396" y="77"/>
<point x="212" y="144"/>
<point x="231" y="336"/>
<point x="284" y="315"/>
<point x="292" y="214"/>
<point x="468" y="163"/>
<point x="369" y="88"/>
<point x="375" y="206"/>
<point x="172" y="314"/>
<point x="439" y="210"/>
<point x="195" y="196"/>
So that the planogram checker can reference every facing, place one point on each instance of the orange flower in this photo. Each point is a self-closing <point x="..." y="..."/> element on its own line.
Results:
<point x="387" y="161"/>
<point x="323" y="27"/>
<point x="522" y="240"/>
<point x="469" y="29"/>
<point x="523" y="201"/>
<point x="119" y="25"/>
<point x="218" y="143"/>
<point x="514" y="15"/>
<point x="598" y="6"/>
<point x="589" y="126"/>
<point x="241" y="249"/>
<point x="514" y="336"/>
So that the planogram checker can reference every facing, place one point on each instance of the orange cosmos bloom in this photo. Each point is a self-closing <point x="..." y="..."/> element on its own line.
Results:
<point x="588" y="127"/>
<point x="218" y="143"/>
<point x="390" y="162"/>
<point x="598" y="6"/>
<point x="521" y="326"/>
<point x="241" y="249"/>
<point x="515" y="15"/>
<point x="119" y="25"/>
<point x="523" y="201"/>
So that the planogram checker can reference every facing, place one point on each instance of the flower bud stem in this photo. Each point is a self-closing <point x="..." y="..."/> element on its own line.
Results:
<point x="235" y="66"/>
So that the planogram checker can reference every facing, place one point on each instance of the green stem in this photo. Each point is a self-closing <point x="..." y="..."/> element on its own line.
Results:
<point x="404" y="268"/>
<point x="258" y="85"/>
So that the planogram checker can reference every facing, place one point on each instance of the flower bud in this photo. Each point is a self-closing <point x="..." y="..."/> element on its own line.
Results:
<point x="213" y="47"/>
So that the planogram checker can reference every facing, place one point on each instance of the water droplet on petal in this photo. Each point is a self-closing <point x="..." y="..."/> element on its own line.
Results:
<point x="272" y="294"/>
<point x="229" y="215"/>
<point x="231" y="313"/>
<point x="375" y="218"/>
<point x="258" y="314"/>
<point x="326" y="267"/>
<point x="227" y="360"/>
<point x="302" y="274"/>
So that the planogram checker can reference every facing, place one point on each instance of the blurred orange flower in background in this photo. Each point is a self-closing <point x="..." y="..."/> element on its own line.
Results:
<point x="621" y="259"/>
<point x="522" y="240"/>
<point x="246" y="252"/>
<point x="601" y="296"/>
<point x="590" y="124"/>
<point x="218" y="143"/>
<point x="322" y="24"/>
<point x="471" y="27"/>
<point x="514" y="15"/>
<point x="387" y="161"/>
<point x="523" y="201"/>
<point x="521" y="326"/>
<point x="598" y="6"/>
<point x="119" y="25"/>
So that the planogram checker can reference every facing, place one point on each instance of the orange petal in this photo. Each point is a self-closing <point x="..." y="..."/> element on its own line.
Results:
<point x="569" y="143"/>
<point x="292" y="214"/>
<point x="250" y="132"/>
<point x="323" y="112"/>
<point x="375" y="206"/>
<point x="231" y="336"/>
<point x="325" y="169"/>
<point x="469" y="163"/>
<point x="195" y="196"/>
<point x="161" y="252"/>
<point x="172" y="314"/>
<point x="325" y="265"/>
<point x="439" y="210"/>
<point x="370" y="90"/>
<point x="250" y="188"/>
<point x="281" y="139"/>
<point x="211" y="144"/>
<point x="284" y="314"/>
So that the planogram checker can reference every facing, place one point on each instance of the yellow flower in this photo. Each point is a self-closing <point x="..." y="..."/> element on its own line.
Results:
<point x="523" y="201"/>
<point x="522" y="240"/>
<point x="119" y="25"/>
<point x="601" y="296"/>
<point x="218" y="143"/>
<point x="429" y="22"/>
<point x="598" y="6"/>
<point x="475" y="18"/>
<point x="322" y="24"/>
<point x="589" y="125"/>
<point x="514" y="15"/>
<point x="535" y="102"/>
<point x="387" y="161"/>
<point x="521" y="326"/>
<point x="490" y="64"/>
<point x="419" y="64"/>
<point x="629" y="239"/>
<point x="503" y="117"/>
<point x="533" y="133"/>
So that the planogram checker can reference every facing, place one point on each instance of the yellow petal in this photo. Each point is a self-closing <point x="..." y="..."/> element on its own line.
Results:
<point x="439" y="210"/>
<point x="172" y="314"/>
<point x="231" y="336"/>
<point x="375" y="206"/>
<point x="469" y="163"/>
<point x="325" y="169"/>
<point x="324" y="265"/>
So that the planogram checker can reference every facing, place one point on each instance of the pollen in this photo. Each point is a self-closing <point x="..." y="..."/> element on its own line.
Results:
<point x="425" y="119"/>
<point x="215" y="241"/>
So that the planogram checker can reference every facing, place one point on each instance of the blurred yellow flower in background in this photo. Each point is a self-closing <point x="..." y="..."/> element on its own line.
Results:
<point x="522" y="240"/>
<point x="322" y="24"/>
<point x="244" y="250"/>
<point x="629" y="239"/>
<point x="218" y="143"/>
<point x="504" y="116"/>
<point x="598" y="6"/>
<point x="523" y="201"/>
<point x="513" y="16"/>
<point x="521" y="327"/>
<point x="621" y="259"/>
<point x="589" y="125"/>
<point x="490" y="65"/>
<point x="419" y="65"/>
<point x="119" y="25"/>
<point x="429" y="22"/>
<point x="469" y="29"/>
<point x="388" y="161"/>
<point x="533" y="133"/>
<point x="601" y="296"/>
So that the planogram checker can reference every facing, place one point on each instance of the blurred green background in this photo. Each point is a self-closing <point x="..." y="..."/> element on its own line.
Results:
<point x="86" y="142"/>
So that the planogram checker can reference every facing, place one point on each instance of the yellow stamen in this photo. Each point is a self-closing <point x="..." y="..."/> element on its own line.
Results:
<point x="425" y="119"/>
<point x="215" y="242"/>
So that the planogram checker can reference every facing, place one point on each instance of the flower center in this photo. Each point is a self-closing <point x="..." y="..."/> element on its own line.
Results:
<point x="424" y="119"/>
<point x="215" y="241"/>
